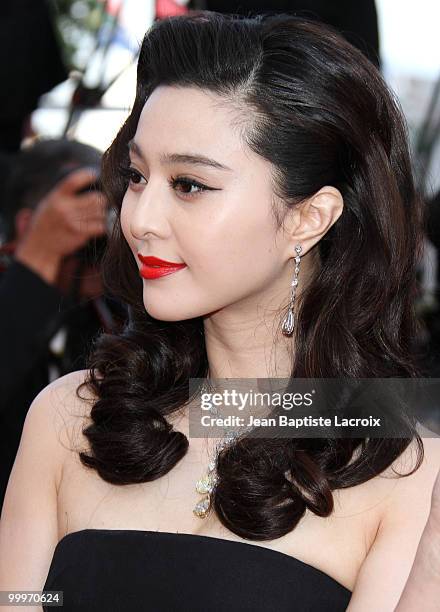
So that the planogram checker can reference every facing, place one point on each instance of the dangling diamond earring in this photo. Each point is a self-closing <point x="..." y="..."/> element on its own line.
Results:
<point x="289" y="321"/>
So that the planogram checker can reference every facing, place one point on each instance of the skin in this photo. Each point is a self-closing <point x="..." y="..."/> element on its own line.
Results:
<point x="47" y="238"/>
<point x="239" y="266"/>
<point x="422" y="589"/>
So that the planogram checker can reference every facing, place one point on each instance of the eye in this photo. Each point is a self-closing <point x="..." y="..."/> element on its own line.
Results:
<point x="187" y="183"/>
<point x="183" y="185"/>
<point x="131" y="175"/>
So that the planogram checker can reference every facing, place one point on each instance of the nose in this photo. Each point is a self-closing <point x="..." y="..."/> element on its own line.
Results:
<point x="148" y="214"/>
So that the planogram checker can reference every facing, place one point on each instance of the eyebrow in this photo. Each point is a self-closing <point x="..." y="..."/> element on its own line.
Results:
<point x="184" y="158"/>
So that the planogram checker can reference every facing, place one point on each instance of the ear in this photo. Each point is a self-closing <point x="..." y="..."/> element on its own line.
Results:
<point x="310" y="220"/>
<point x="22" y="222"/>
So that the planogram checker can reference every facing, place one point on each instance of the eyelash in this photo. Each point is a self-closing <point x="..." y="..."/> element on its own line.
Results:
<point x="129" y="173"/>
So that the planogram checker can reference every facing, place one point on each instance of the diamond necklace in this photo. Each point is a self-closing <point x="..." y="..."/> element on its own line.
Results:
<point x="205" y="485"/>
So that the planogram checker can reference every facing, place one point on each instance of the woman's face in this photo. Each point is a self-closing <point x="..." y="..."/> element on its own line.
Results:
<point x="226" y="235"/>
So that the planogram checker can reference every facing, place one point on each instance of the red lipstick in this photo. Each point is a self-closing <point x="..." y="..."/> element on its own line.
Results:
<point x="154" y="267"/>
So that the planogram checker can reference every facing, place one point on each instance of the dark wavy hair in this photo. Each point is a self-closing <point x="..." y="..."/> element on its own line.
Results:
<point x="320" y="112"/>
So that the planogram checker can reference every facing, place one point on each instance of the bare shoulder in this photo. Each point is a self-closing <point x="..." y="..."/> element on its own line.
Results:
<point x="29" y="519"/>
<point x="385" y="570"/>
<point x="430" y="464"/>
<point x="60" y="396"/>
<point x="59" y="413"/>
<point x="412" y="491"/>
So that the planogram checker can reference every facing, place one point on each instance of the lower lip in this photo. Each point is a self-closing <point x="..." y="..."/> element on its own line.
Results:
<point x="150" y="273"/>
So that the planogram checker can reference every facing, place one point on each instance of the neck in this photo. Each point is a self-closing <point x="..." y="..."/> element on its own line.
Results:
<point x="248" y="348"/>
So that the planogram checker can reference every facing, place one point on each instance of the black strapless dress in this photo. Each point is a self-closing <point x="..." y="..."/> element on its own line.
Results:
<point x="149" y="571"/>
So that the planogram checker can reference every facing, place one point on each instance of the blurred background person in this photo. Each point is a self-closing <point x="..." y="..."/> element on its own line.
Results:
<point x="54" y="221"/>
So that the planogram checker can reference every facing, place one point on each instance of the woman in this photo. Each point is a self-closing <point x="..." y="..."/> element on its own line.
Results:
<point x="253" y="147"/>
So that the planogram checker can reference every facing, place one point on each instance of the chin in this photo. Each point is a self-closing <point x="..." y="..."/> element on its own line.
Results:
<point x="169" y="312"/>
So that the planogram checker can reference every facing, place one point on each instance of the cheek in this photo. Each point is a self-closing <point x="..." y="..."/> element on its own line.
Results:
<point x="125" y="220"/>
<point x="235" y="250"/>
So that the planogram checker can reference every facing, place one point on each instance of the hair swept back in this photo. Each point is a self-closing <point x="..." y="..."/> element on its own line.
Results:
<point x="322" y="115"/>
